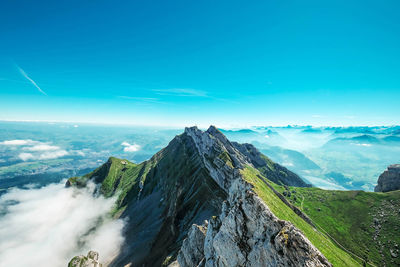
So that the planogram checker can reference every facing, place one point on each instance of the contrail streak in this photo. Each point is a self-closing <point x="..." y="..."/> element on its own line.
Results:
<point x="30" y="80"/>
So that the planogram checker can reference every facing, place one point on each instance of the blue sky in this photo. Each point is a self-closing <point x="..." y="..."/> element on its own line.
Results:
<point x="229" y="63"/>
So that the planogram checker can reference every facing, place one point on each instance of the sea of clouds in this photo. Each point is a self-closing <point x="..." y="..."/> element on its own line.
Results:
<point x="48" y="226"/>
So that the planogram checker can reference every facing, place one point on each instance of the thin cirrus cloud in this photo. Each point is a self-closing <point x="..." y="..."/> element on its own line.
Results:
<point x="130" y="147"/>
<point x="181" y="92"/>
<point x="142" y="99"/>
<point x="31" y="80"/>
<point x="188" y="92"/>
<point x="161" y="94"/>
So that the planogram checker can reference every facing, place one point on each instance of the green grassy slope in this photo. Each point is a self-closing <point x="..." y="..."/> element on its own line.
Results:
<point x="332" y="252"/>
<point x="116" y="175"/>
<point x="365" y="223"/>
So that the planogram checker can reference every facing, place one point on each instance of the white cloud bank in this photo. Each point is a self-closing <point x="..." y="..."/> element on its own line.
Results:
<point x="53" y="154"/>
<point x="37" y="150"/>
<point x="42" y="147"/>
<point x="18" y="142"/>
<point x="50" y="225"/>
<point x="130" y="147"/>
<point x="26" y="156"/>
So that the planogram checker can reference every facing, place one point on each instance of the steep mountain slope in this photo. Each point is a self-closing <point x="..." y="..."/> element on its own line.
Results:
<point x="161" y="198"/>
<point x="201" y="176"/>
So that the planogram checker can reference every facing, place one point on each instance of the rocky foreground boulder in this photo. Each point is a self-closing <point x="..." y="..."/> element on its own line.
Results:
<point x="91" y="260"/>
<point x="389" y="180"/>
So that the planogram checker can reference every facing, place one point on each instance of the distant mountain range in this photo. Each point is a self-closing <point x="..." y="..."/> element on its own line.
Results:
<point x="365" y="140"/>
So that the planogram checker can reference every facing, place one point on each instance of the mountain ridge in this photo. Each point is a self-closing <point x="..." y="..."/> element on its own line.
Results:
<point x="200" y="176"/>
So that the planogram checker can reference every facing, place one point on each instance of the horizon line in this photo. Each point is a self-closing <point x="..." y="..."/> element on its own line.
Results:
<point x="198" y="125"/>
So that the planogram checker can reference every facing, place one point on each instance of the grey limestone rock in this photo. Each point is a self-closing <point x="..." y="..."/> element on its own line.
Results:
<point x="389" y="180"/>
<point x="91" y="260"/>
<point x="246" y="233"/>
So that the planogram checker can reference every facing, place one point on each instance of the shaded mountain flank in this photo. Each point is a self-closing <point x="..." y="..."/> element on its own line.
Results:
<point x="206" y="201"/>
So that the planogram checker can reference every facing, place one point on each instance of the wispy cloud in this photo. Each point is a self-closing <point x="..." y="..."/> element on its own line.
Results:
<point x="181" y="92"/>
<point x="158" y="96"/>
<point x="142" y="99"/>
<point x="188" y="92"/>
<point x="30" y="80"/>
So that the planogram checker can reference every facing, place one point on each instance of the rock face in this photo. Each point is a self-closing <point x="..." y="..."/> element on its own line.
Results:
<point x="91" y="260"/>
<point x="389" y="180"/>
<point x="192" y="250"/>
<point x="197" y="177"/>
<point x="246" y="233"/>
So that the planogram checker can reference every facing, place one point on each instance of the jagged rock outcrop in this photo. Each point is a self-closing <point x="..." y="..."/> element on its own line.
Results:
<point x="91" y="260"/>
<point x="246" y="233"/>
<point x="389" y="180"/>
<point x="192" y="250"/>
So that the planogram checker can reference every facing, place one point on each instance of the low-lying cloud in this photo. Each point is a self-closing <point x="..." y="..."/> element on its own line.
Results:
<point x="18" y="142"/>
<point x="50" y="225"/>
<point x="35" y="150"/>
<point x="26" y="156"/>
<point x="53" y="154"/>
<point x="130" y="147"/>
<point x="42" y="147"/>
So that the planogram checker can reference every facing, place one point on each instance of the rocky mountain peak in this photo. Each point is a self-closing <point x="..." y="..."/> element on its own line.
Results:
<point x="213" y="145"/>
<point x="198" y="178"/>
<point x="246" y="232"/>
<point x="212" y="130"/>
